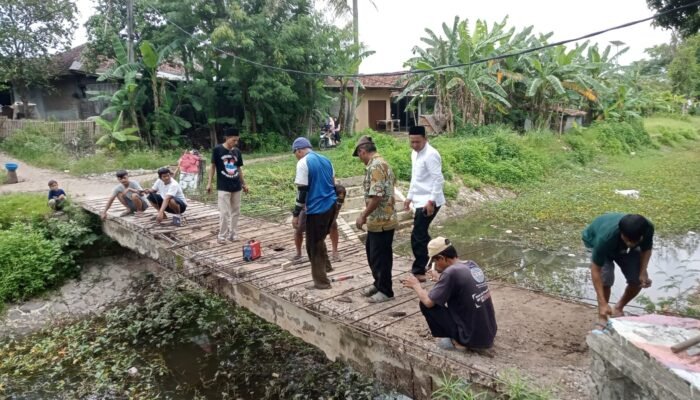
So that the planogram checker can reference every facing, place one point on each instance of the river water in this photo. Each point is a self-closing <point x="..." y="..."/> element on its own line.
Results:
<point x="674" y="266"/>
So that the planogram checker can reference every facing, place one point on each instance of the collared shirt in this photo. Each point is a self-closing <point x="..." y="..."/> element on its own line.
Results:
<point x="426" y="177"/>
<point x="379" y="181"/>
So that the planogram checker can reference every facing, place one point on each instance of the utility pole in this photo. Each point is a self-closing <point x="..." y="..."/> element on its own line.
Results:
<point x="130" y="30"/>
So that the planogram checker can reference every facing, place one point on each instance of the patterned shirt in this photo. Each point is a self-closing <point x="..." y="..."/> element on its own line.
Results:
<point x="379" y="181"/>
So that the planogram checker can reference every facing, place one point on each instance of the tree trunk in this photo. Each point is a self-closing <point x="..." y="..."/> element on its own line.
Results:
<point x="356" y="40"/>
<point x="212" y="135"/>
<point x="24" y="98"/>
<point x="342" y="112"/>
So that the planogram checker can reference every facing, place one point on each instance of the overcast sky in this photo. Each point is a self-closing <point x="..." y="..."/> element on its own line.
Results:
<point x="395" y="26"/>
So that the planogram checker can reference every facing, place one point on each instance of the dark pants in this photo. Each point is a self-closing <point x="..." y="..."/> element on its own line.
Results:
<point x="317" y="228"/>
<point x="380" y="257"/>
<point x="420" y="238"/>
<point x="630" y="265"/>
<point x="157" y="201"/>
<point x="439" y="321"/>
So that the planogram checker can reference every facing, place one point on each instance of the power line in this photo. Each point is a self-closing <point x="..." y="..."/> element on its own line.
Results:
<point x="424" y="71"/>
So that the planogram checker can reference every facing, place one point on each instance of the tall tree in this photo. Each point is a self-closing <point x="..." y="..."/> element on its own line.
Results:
<point x="685" y="21"/>
<point x="31" y="29"/>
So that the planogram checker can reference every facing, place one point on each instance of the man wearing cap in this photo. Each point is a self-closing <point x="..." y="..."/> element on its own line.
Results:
<point x="426" y="194"/>
<point x="316" y="196"/>
<point x="380" y="216"/>
<point x="458" y="309"/>
<point x="227" y="162"/>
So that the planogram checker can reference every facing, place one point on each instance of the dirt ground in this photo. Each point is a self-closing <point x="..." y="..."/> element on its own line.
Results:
<point x="540" y="336"/>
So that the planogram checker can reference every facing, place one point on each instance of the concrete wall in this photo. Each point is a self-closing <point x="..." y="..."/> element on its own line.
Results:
<point x="398" y="365"/>
<point x="362" y="114"/>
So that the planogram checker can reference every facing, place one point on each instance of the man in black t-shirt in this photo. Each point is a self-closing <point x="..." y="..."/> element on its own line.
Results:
<point x="458" y="309"/>
<point x="227" y="162"/>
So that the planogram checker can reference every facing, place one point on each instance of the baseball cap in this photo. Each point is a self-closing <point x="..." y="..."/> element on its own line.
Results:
<point x="300" y="143"/>
<point x="363" y="140"/>
<point x="435" y="247"/>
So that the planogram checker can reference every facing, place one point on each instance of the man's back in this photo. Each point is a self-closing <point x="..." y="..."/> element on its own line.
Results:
<point x="463" y="288"/>
<point x="319" y="179"/>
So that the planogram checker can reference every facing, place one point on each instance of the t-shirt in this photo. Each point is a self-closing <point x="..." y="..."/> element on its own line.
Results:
<point x="462" y="288"/>
<point x="379" y="181"/>
<point x="189" y="163"/>
<point x="228" y="164"/>
<point x="53" y="194"/>
<point x="132" y="185"/>
<point x="173" y="189"/>
<point x="602" y="236"/>
<point x="316" y="172"/>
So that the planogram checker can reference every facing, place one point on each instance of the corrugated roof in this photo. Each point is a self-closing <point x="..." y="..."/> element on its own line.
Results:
<point x="71" y="61"/>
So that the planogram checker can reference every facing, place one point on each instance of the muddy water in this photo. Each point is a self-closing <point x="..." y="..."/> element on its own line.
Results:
<point x="674" y="267"/>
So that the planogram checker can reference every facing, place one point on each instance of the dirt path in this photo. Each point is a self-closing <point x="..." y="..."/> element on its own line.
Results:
<point x="35" y="179"/>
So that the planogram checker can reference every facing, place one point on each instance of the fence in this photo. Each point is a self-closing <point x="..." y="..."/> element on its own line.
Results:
<point x="69" y="129"/>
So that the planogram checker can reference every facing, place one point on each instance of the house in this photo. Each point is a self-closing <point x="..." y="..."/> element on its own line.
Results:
<point x="69" y="99"/>
<point x="377" y="107"/>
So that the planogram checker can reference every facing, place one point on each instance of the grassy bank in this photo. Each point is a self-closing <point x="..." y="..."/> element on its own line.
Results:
<point x="551" y="213"/>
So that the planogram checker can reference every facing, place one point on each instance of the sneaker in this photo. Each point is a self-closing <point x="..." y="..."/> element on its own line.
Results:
<point x="177" y="221"/>
<point x="233" y="238"/>
<point x="221" y="241"/>
<point x="336" y="258"/>
<point x="379" y="297"/>
<point x="449" y="344"/>
<point x="297" y="259"/>
<point x="369" y="291"/>
<point x="314" y="286"/>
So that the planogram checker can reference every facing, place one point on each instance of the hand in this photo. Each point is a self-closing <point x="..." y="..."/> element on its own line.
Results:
<point x="432" y="275"/>
<point x="407" y="204"/>
<point x="103" y="216"/>
<point x="361" y="220"/>
<point x="295" y="222"/>
<point x="160" y="217"/>
<point x="209" y="188"/>
<point x="410" y="282"/>
<point x="429" y="209"/>
<point x="604" y="311"/>
<point x="644" y="280"/>
<point x="245" y="189"/>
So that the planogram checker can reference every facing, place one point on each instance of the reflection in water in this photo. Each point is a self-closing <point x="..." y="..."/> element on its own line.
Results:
<point x="674" y="267"/>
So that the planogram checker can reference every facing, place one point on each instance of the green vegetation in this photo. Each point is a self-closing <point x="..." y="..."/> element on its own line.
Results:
<point x="563" y="203"/>
<point x="38" y="249"/>
<point x="43" y="148"/>
<point x="514" y="386"/>
<point x="181" y="342"/>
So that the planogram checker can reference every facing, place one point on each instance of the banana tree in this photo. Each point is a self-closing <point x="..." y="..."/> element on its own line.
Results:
<point x="163" y="120"/>
<point x="114" y="133"/>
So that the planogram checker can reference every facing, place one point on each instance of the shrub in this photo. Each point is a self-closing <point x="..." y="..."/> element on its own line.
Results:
<point x="269" y="142"/>
<point x="583" y="152"/>
<point x="621" y="137"/>
<point x="28" y="262"/>
<point x="40" y="249"/>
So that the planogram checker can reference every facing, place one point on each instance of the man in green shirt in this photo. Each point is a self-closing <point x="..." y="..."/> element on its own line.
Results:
<point x="625" y="239"/>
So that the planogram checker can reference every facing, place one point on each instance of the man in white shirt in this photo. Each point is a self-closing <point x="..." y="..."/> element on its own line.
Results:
<point x="426" y="194"/>
<point x="166" y="196"/>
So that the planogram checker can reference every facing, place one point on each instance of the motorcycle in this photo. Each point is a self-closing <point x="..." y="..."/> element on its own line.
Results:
<point x="327" y="138"/>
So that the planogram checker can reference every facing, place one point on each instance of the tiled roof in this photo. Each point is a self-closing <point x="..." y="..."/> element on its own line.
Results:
<point x="373" y="82"/>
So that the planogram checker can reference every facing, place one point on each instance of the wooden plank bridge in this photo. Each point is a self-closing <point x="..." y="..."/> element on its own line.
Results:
<point x="539" y="335"/>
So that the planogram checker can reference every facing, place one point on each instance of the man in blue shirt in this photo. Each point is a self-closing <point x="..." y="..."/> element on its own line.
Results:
<point x="315" y="194"/>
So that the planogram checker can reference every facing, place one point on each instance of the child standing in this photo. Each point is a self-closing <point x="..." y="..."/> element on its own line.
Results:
<point x="57" y="197"/>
